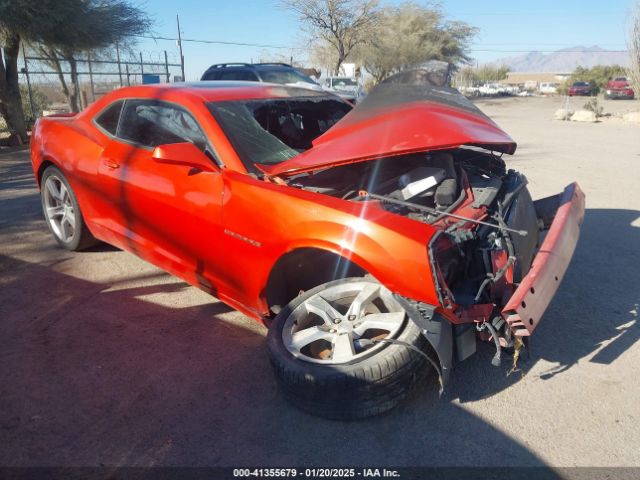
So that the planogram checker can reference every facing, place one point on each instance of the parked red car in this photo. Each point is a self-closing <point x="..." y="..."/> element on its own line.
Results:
<point x="581" y="88"/>
<point x="375" y="242"/>
<point x="619" y="87"/>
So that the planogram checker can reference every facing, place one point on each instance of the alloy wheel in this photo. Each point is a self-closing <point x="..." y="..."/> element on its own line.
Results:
<point x="59" y="208"/>
<point x="336" y="325"/>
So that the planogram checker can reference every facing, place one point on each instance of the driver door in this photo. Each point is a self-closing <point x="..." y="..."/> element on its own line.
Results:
<point x="168" y="214"/>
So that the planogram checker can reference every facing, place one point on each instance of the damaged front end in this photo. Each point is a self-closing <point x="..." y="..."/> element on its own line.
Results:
<point x="496" y="283"/>
<point x="417" y="148"/>
<point x="497" y="257"/>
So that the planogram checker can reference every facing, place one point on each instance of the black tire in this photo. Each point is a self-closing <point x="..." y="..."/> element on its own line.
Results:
<point x="351" y="391"/>
<point x="81" y="237"/>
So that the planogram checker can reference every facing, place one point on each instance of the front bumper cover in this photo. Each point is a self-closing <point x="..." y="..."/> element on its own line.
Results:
<point x="564" y="212"/>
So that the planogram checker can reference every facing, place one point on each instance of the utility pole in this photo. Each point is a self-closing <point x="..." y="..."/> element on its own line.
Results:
<point x="180" y="47"/>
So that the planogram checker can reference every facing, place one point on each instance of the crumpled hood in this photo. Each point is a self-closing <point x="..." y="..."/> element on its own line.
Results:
<point x="397" y="119"/>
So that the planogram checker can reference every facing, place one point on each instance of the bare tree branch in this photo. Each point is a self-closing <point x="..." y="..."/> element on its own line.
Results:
<point x="343" y="24"/>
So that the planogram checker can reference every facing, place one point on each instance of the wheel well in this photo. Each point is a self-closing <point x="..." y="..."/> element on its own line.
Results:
<point x="42" y="168"/>
<point x="303" y="269"/>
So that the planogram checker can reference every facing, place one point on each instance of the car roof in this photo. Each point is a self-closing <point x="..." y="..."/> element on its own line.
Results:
<point x="211" y="91"/>
<point x="251" y="66"/>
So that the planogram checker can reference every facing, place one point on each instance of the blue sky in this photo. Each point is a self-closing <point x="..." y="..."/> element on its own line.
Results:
<point x="504" y="25"/>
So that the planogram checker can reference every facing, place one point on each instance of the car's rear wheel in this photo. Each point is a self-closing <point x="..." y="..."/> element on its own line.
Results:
<point x="327" y="355"/>
<point x="62" y="212"/>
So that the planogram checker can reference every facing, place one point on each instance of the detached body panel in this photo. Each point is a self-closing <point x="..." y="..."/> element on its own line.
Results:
<point x="525" y="308"/>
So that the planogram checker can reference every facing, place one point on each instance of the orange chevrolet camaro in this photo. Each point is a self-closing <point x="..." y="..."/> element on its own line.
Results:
<point x="375" y="242"/>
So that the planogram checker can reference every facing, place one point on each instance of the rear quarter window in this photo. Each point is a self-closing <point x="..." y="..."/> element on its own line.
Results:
<point x="109" y="117"/>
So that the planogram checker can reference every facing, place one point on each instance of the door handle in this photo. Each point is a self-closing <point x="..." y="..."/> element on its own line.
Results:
<point x="110" y="163"/>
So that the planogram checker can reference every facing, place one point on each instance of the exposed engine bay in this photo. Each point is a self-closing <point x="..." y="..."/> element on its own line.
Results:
<point x="436" y="180"/>
<point x="489" y="227"/>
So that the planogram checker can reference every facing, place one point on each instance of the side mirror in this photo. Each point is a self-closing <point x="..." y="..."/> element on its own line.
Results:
<point x="186" y="154"/>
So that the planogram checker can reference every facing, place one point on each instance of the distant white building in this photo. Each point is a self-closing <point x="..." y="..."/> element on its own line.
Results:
<point x="533" y="80"/>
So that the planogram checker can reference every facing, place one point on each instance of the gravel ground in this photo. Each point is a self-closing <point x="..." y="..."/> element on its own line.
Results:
<point x="105" y="360"/>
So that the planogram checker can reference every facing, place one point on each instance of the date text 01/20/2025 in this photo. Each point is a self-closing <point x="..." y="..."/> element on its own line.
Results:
<point x="315" y="472"/>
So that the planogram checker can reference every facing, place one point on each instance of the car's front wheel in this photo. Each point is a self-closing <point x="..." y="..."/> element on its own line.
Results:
<point x="330" y="351"/>
<point x="62" y="212"/>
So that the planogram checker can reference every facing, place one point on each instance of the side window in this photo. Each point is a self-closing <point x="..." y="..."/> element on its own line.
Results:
<point x="238" y="75"/>
<point x="248" y="75"/>
<point x="211" y="76"/>
<point x="108" y="118"/>
<point x="152" y="123"/>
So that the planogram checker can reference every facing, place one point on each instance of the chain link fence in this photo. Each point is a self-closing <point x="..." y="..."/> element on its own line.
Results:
<point x="98" y="74"/>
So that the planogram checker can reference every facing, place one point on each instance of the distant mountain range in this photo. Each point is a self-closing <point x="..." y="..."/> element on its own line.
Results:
<point x="564" y="61"/>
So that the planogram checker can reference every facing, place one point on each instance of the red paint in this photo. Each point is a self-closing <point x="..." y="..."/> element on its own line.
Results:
<point x="526" y="306"/>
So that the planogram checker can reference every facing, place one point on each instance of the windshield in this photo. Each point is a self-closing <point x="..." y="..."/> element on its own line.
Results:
<point x="274" y="130"/>
<point x="284" y="77"/>
<point x="581" y="84"/>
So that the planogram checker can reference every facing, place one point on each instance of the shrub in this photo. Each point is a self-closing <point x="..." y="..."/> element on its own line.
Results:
<point x="594" y="106"/>
<point x="40" y="102"/>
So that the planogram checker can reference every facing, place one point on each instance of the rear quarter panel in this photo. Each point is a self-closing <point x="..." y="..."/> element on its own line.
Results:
<point x="72" y="146"/>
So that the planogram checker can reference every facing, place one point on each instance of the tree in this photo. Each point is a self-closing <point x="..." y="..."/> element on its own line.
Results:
<point x="341" y="24"/>
<point x="10" y="99"/>
<point x="410" y="34"/>
<point x="633" y="45"/>
<point x="469" y="76"/>
<point x="491" y="73"/>
<point x="60" y="30"/>
<point x="18" y="20"/>
<point x="323" y="55"/>
<point x="466" y="77"/>
<point x="83" y="27"/>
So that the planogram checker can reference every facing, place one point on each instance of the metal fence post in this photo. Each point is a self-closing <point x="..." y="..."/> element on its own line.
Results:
<point x="180" y="47"/>
<point x="93" y="91"/>
<point x="166" y="65"/>
<point x="119" y="65"/>
<point x="141" y="69"/>
<point x="128" y="78"/>
<point x="26" y="74"/>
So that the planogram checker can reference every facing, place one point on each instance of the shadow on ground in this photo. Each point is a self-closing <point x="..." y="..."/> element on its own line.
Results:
<point x="94" y="375"/>
<point x="594" y="315"/>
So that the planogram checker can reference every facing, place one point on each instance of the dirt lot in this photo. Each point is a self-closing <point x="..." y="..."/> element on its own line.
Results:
<point x="105" y="360"/>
